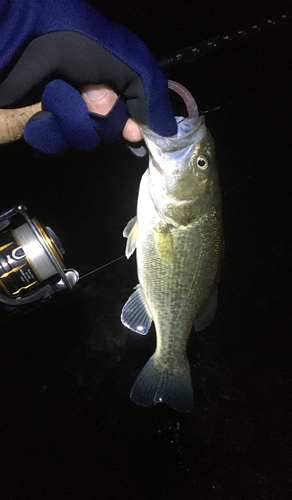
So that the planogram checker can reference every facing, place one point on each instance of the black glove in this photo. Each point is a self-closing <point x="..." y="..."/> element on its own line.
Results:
<point x="57" y="46"/>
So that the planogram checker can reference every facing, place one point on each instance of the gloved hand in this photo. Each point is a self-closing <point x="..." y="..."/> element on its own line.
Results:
<point x="55" y="47"/>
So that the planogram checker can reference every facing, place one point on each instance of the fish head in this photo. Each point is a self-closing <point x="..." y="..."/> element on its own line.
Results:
<point x="183" y="179"/>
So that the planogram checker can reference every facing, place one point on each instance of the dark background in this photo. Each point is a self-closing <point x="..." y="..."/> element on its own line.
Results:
<point x="68" y="429"/>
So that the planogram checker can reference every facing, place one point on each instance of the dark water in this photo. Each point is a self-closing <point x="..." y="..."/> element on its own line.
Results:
<point x="68" y="428"/>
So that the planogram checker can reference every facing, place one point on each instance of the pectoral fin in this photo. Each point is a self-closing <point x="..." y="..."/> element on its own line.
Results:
<point x="131" y="232"/>
<point x="134" y="313"/>
<point x="163" y="241"/>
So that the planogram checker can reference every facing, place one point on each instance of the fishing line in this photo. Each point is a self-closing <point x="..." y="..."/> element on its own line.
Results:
<point x="223" y="194"/>
<point x="101" y="267"/>
<point x="247" y="178"/>
<point x="259" y="169"/>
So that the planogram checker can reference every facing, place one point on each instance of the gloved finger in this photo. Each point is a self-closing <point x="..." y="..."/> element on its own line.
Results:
<point x="66" y="103"/>
<point x="65" y="121"/>
<point x="100" y="99"/>
<point x="77" y="59"/>
<point x="43" y="133"/>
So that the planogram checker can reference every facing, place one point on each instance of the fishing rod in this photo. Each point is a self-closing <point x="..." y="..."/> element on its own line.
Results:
<point x="207" y="47"/>
<point x="31" y="255"/>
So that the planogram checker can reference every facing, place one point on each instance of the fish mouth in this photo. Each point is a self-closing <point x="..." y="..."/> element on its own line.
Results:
<point x="190" y="132"/>
<point x="169" y="159"/>
<point x="168" y="154"/>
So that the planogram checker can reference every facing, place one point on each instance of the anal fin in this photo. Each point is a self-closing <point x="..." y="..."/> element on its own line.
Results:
<point x="134" y="313"/>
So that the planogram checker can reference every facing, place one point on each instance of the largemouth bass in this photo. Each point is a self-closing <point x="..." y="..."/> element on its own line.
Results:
<point x="178" y="239"/>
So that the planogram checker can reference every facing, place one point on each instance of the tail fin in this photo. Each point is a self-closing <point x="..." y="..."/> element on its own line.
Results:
<point x="157" y="385"/>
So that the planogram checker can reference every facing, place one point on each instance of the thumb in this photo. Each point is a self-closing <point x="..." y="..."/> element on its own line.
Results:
<point x="99" y="98"/>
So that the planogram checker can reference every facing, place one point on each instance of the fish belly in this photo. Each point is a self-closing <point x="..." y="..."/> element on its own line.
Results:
<point x="175" y="292"/>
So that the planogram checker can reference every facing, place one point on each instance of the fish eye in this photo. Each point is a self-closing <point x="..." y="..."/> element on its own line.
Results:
<point x="202" y="162"/>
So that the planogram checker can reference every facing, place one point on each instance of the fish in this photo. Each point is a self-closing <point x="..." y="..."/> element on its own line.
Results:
<point x="178" y="237"/>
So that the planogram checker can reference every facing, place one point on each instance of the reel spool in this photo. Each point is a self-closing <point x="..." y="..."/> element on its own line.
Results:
<point x="31" y="262"/>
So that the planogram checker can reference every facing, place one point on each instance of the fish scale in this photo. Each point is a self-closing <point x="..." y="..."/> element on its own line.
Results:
<point x="181" y="287"/>
<point x="178" y="239"/>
